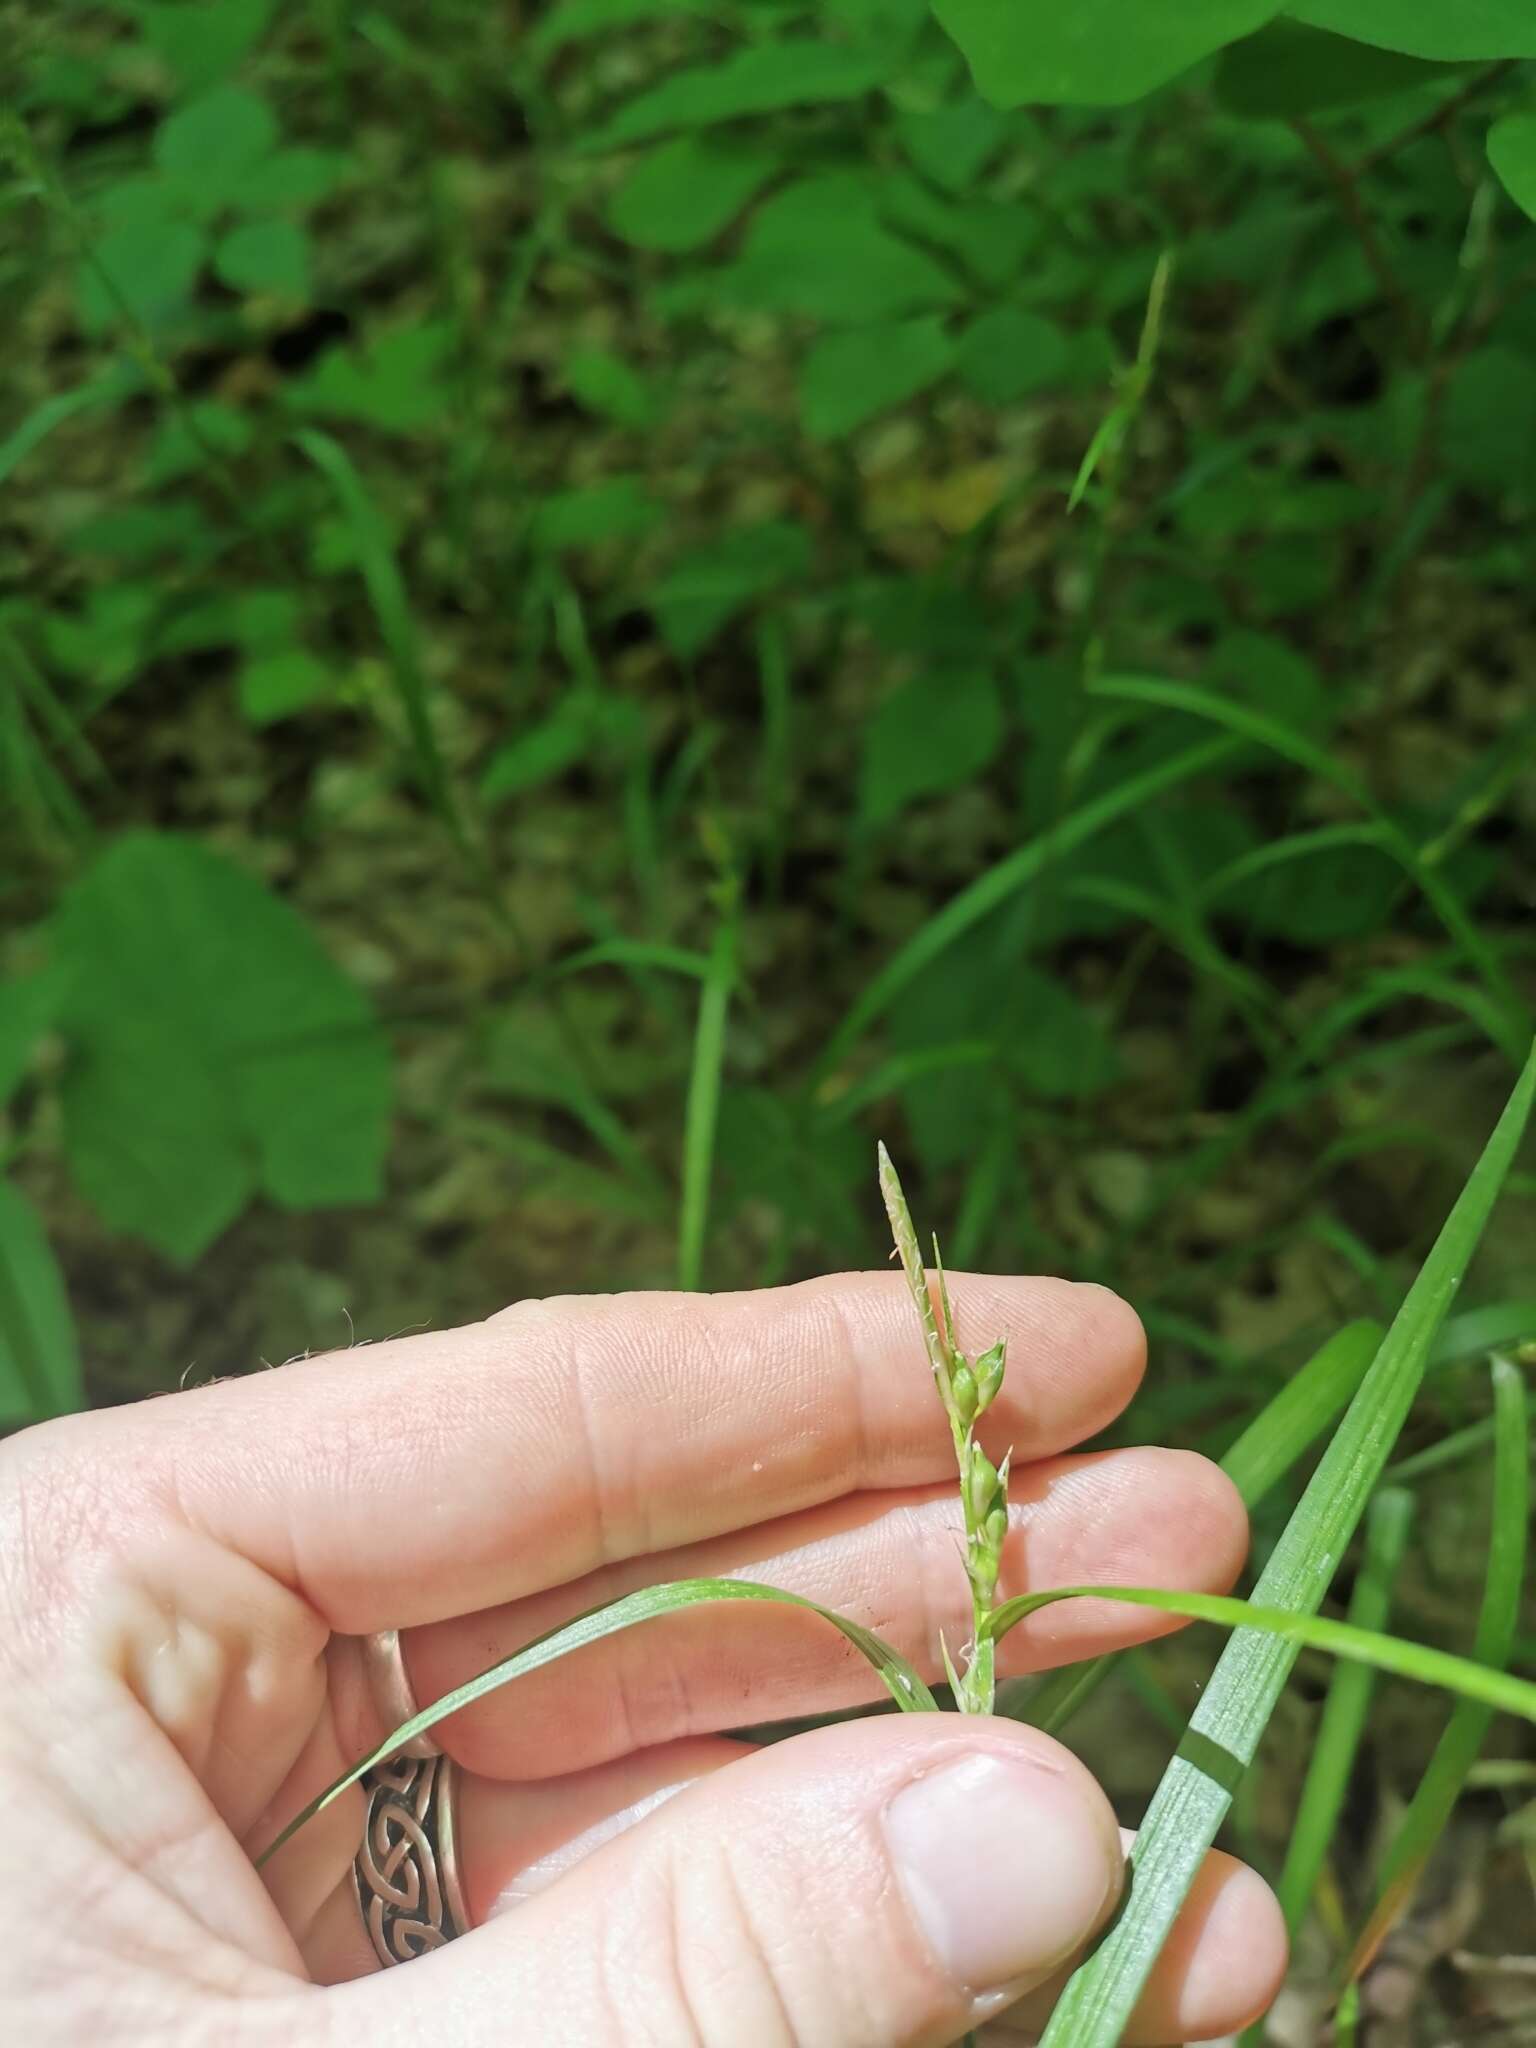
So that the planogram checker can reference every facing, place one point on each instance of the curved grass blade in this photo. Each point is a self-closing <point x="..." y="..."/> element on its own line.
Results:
<point x="1283" y="1430"/>
<point x="1294" y="746"/>
<point x="643" y="953"/>
<point x="1494" y="1327"/>
<point x="1457" y="1750"/>
<point x="121" y="382"/>
<point x="934" y="938"/>
<point x="1342" y="1721"/>
<point x="1499" y="1691"/>
<point x="1224" y="1730"/>
<point x="647" y="1604"/>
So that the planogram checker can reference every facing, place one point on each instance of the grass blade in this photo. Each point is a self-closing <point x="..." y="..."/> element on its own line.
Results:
<point x="1295" y="746"/>
<point x="647" y="1604"/>
<point x="934" y="938"/>
<point x="1283" y="1430"/>
<point x="392" y="608"/>
<point x="1500" y="1691"/>
<point x="1224" y="1730"/>
<point x="1457" y="1750"/>
<point x="1304" y="1407"/>
<point x="41" y="421"/>
<point x="703" y="1107"/>
<point x="1343" y="1718"/>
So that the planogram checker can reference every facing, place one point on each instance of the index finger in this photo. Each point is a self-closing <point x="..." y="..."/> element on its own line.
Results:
<point x="432" y="1476"/>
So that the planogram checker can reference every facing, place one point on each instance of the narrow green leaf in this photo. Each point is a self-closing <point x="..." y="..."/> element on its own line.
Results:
<point x="392" y="609"/>
<point x="1304" y="1407"/>
<point x="703" y="1107"/>
<point x="52" y="412"/>
<point x="1342" y="1721"/>
<point x="1499" y="1617"/>
<point x="797" y="72"/>
<point x="1225" y="1728"/>
<point x="1289" y="1632"/>
<point x="1306" y="753"/>
<point x="1281" y="1433"/>
<point x="647" y="1604"/>
<point x="934" y="938"/>
<point x="39" y="1359"/>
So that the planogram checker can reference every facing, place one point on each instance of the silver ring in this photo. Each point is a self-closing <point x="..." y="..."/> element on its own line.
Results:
<point x="390" y="1684"/>
<point x="406" y="1873"/>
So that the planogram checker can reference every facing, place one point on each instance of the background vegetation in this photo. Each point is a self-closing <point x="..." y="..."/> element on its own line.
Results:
<point x="599" y="603"/>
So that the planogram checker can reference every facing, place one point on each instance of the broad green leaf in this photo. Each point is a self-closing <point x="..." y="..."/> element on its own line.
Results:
<point x="145" y="269"/>
<point x="265" y="256"/>
<point x="928" y="736"/>
<point x="608" y="386"/>
<point x="648" y="1604"/>
<point x="798" y="72"/>
<point x="616" y="508"/>
<point x="990" y="237"/>
<point x="1339" y="892"/>
<point x="819" y="247"/>
<point x="850" y="378"/>
<point x="29" y="1004"/>
<point x="704" y="590"/>
<point x="208" y="150"/>
<point x="214" y="1049"/>
<point x="1096" y="53"/>
<point x="398" y="382"/>
<point x="39" y="1360"/>
<point x="201" y="43"/>
<point x="1235" y="1707"/>
<point x="1007" y="353"/>
<point x="1452" y="30"/>
<point x="952" y="144"/>
<point x="686" y="191"/>
<point x="293" y="179"/>
<point x="278" y="684"/>
<point x="1289" y="70"/>
<point x="1512" y="152"/>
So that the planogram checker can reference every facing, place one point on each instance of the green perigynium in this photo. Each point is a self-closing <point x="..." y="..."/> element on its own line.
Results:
<point x="967" y="1388"/>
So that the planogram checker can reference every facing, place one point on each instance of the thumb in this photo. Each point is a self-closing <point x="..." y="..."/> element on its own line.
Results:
<point x="883" y="1882"/>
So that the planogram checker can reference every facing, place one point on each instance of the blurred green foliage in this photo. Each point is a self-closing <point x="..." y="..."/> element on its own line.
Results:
<point x="601" y="602"/>
<point x="598" y="606"/>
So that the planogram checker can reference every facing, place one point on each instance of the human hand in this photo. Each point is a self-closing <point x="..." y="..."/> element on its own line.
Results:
<point x="183" y="1585"/>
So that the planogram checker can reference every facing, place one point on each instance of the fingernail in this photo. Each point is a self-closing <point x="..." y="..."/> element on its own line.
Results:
<point x="1006" y="1868"/>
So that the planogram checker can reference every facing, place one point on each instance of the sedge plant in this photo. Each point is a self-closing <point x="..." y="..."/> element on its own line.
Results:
<point x="1268" y="1632"/>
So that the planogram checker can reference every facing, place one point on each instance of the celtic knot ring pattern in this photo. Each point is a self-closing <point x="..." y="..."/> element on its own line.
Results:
<point x="406" y="1871"/>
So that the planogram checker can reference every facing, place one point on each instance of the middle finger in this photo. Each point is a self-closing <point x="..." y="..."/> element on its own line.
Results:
<point x="889" y="1560"/>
